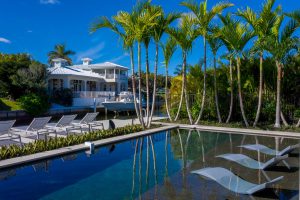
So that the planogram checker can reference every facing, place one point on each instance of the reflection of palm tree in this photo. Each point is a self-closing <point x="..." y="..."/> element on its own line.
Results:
<point x="133" y="167"/>
<point x="202" y="147"/>
<point x="140" y="168"/>
<point x="147" y="162"/>
<point x="154" y="165"/>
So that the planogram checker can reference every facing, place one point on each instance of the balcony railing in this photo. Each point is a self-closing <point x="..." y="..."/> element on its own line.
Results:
<point x="94" y="94"/>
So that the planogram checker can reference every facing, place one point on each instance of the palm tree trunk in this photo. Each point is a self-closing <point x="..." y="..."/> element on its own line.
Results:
<point x="204" y="84"/>
<point x="133" y="85"/>
<point x="283" y="119"/>
<point x="298" y="124"/>
<point x="181" y="100"/>
<point x="185" y="91"/>
<point x="216" y="91"/>
<point x="260" y="89"/>
<point x="231" y="91"/>
<point x="278" y="95"/>
<point x="167" y="93"/>
<point x="147" y="86"/>
<point x="240" y="91"/>
<point x="154" y="83"/>
<point x="140" y="85"/>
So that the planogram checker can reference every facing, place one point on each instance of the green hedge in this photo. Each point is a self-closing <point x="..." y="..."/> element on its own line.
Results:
<point x="55" y="143"/>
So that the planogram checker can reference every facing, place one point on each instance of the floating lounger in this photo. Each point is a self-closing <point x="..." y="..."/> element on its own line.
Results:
<point x="232" y="182"/>
<point x="267" y="150"/>
<point x="251" y="163"/>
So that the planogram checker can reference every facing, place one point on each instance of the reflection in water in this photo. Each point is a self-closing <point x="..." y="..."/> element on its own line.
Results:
<point x="154" y="167"/>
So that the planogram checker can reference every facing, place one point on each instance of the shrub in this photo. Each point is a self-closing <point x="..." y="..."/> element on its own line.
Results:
<point x="35" y="104"/>
<point x="54" y="143"/>
<point x="63" y="97"/>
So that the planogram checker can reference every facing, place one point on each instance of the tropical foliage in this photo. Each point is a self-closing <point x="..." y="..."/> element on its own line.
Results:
<point x="60" y="51"/>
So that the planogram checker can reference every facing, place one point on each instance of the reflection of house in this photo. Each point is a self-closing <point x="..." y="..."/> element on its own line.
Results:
<point x="88" y="81"/>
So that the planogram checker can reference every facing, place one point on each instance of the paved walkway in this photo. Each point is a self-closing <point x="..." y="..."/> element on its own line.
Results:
<point x="27" y="138"/>
<point x="295" y="135"/>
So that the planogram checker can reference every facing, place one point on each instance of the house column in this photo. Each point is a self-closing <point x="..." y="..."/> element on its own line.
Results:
<point x="105" y="73"/>
<point x="66" y="82"/>
<point x="114" y="73"/>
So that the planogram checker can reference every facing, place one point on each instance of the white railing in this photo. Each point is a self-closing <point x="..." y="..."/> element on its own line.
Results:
<point x="94" y="94"/>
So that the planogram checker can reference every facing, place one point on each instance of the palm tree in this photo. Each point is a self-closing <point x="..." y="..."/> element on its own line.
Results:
<point x="144" y="21"/>
<point x="162" y="24"/>
<point x="125" y="22"/>
<point x="262" y="24"/>
<point x="281" y="44"/>
<point x="60" y="52"/>
<point x="202" y="19"/>
<point x="215" y="44"/>
<point x="295" y="15"/>
<point x="168" y="50"/>
<point x="184" y="35"/>
<point x="239" y="35"/>
<point x="228" y="22"/>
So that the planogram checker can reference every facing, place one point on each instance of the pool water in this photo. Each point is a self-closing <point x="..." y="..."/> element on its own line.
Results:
<point x="152" y="167"/>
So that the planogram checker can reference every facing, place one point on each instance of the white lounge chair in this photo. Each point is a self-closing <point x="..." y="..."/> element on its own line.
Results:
<point x="251" y="163"/>
<point x="6" y="132"/>
<point x="233" y="182"/>
<point x="63" y="124"/>
<point x="86" y="122"/>
<point x="266" y="150"/>
<point x="38" y="127"/>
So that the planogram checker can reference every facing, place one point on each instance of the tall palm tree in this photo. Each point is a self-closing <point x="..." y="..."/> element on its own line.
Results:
<point x="262" y="24"/>
<point x="202" y="19"/>
<point x="184" y="35"/>
<point x="168" y="50"/>
<point x="122" y="21"/>
<point x="281" y="43"/>
<point x="162" y="23"/>
<point x="239" y="35"/>
<point x="143" y="22"/>
<point x="60" y="52"/>
<point x="215" y="44"/>
<point x="228" y="22"/>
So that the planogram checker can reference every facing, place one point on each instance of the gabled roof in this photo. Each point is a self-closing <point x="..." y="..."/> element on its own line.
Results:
<point x="72" y="71"/>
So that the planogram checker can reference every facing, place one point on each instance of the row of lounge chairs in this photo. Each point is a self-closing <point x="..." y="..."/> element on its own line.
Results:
<point x="41" y="127"/>
<point x="236" y="184"/>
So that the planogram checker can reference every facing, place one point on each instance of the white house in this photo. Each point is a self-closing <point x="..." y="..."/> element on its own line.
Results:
<point x="102" y="81"/>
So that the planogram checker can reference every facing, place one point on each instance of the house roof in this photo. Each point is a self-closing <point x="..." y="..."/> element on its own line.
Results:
<point x="72" y="71"/>
<point x="105" y="65"/>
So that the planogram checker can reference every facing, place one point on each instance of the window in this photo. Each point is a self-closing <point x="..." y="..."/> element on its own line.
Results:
<point x="104" y="87"/>
<point x="76" y="85"/>
<point x="91" y="85"/>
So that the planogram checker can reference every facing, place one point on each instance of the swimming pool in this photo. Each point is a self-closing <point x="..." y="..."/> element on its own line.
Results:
<point x="152" y="167"/>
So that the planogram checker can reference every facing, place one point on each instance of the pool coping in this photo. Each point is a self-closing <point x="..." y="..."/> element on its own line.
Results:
<point x="293" y="135"/>
<point x="22" y="160"/>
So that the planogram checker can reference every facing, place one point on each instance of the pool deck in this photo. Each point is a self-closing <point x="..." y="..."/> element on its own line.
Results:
<point x="294" y="135"/>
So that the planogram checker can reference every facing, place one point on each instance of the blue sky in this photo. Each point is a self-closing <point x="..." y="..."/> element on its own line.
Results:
<point x="35" y="26"/>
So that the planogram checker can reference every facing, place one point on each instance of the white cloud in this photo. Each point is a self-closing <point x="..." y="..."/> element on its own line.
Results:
<point x="4" y="40"/>
<point x="49" y="2"/>
<point x="121" y="57"/>
<point x="92" y="53"/>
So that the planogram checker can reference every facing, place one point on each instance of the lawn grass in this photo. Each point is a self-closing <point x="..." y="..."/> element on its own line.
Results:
<point x="269" y="127"/>
<point x="8" y="105"/>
